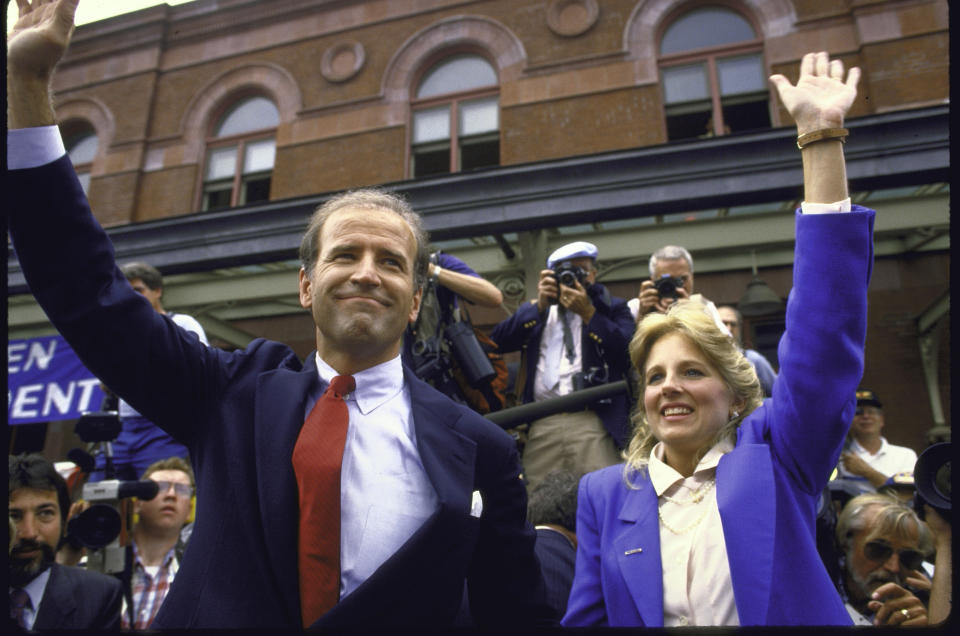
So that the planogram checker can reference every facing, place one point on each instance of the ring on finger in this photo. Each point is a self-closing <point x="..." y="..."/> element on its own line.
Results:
<point x="905" y="612"/>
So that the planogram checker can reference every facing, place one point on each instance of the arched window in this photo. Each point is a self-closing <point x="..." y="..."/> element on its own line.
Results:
<point x="456" y="117"/>
<point x="81" y="145"/>
<point x="713" y="76"/>
<point x="240" y="155"/>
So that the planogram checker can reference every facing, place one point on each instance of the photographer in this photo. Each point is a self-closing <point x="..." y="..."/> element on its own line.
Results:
<point x="43" y="593"/>
<point x="427" y="350"/>
<point x="573" y="335"/>
<point x="671" y="278"/>
<point x="882" y="544"/>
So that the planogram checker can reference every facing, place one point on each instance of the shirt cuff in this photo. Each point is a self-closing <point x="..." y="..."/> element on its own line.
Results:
<point x="825" y="208"/>
<point x="33" y="147"/>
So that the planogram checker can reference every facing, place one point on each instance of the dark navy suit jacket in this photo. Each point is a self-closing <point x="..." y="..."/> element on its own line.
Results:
<point x="768" y="486"/>
<point x="77" y="599"/>
<point x="239" y="414"/>
<point x="603" y="340"/>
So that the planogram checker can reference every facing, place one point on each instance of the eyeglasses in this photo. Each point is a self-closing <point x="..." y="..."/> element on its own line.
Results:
<point x="869" y="410"/>
<point x="879" y="552"/>
<point x="184" y="490"/>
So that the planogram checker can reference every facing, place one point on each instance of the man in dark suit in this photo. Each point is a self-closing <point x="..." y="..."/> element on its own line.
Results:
<point x="44" y="594"/>
<point x="430" y="494"/>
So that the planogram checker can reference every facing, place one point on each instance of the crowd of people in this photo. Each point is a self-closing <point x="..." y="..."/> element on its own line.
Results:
<point x="362" y="488"/>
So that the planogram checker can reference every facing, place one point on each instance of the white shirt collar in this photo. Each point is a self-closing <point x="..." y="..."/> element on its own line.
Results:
<point x="662" y="476"/>
<point x="36" y="587"/>
<point x="375" y="385"/>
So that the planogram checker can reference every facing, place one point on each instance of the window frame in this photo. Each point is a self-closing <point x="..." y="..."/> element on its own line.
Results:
<point x="240" y="141"/>
<point x="454" y="100"/>
<point x="72" y="132"/>
<point x="709" y="55"/>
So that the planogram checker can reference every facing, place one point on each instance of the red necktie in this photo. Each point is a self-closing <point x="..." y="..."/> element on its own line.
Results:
<point x="316" y="462"/>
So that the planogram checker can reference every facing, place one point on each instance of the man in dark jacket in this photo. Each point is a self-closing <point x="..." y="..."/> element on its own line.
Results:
<point x="574" y="335"/>
<point x="44" y="594"/>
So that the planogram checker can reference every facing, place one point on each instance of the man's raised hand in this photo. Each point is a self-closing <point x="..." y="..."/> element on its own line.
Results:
<point x="40" y="36"/>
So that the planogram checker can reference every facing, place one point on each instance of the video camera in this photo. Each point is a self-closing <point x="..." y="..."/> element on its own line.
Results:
<point x="931" y="478"/>
<point x="668" y="285"/>
<point x="101" y="528"/>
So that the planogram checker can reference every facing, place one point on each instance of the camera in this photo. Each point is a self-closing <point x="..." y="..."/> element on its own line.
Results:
<point x="931" y="478"/>
<point x="594" y="376"/>
<point x="99" y="527"/>
<point x="668" y="285"/>
<point x="569" y="274"/>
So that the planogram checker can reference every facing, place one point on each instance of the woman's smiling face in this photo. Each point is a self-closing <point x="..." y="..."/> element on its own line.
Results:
<point x="685" y="398"/>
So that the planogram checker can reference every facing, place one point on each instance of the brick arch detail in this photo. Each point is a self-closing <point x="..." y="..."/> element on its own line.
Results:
<point x="265" y="78"/>
<point x="492" y="36"/>
<point x="775" y="18"/>
<point x="98" y="115"/>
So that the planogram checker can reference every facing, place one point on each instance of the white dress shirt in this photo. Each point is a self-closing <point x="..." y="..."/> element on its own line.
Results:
<point x="697" y="588"/>
<point x="385" y="494"/>
<point x="553" y="360"/>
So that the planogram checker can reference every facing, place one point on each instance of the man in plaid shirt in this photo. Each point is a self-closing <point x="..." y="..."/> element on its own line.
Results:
<point x="154" y="556"/>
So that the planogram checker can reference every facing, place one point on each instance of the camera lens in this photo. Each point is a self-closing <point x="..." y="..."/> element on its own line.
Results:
<point x="567" y="278"/>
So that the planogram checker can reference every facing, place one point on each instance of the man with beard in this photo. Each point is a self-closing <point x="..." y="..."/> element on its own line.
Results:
<point x="883" y="544"/>
<point x="44" y="594"/>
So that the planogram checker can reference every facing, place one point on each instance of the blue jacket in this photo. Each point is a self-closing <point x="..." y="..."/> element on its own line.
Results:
<point x="239" y="414"/>
<point x="604" y="340"/>
<point x="767" y="487"/>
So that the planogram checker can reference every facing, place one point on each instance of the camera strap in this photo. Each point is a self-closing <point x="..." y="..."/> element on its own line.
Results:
<point x="568" y="345"/>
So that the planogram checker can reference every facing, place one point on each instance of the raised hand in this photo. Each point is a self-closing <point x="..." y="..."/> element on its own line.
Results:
<point x="40" y="36"/>
<point x="821" y="97"/>
<point x="34" y="46"/>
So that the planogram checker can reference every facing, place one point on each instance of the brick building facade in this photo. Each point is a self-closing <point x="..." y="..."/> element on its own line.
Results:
<point x="213" y="109"/>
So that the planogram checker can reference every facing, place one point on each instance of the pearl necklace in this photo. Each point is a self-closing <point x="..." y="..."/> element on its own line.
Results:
<point x="697" y="497"/>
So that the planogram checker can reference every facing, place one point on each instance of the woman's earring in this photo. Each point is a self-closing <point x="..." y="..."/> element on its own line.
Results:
<point x="735" y="415"/>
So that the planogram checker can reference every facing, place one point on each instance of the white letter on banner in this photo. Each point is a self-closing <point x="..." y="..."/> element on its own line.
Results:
<point x="24" y="399"/>
<point x="86" y="387"/>
<point x="14" y="354"/>
<point x="59" y="398"/>
<point x="39" y="356"/>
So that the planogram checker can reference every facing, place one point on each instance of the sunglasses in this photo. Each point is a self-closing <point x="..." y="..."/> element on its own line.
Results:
<point x="872" y="410"/>
<point x="184" y="490"/>
<point x="879" y="552"/>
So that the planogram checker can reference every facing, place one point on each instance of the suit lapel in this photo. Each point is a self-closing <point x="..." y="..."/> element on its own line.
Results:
<point x="448" y="457"/>
<point x="748" y="526"/>
<point x="637" y="545"/>
<point x="57" y="604"/>
<point x="280" y="405"/>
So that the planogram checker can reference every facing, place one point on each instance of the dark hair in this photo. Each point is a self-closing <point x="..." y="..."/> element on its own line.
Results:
<point x="149" y="274"/>
<point x="554" y="500"/>
<point x="34" y="471"/>
<point x="170" y="463"/>
<point x="367" y="199"/>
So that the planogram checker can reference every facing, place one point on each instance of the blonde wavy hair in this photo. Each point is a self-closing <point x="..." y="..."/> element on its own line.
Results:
<point x="690" y="318"/>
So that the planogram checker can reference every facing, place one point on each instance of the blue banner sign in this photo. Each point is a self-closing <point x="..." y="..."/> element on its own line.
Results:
<point x="47" y="382"/>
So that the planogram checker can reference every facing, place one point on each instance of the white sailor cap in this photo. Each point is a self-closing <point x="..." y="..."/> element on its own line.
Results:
<point x="577" y="249"/>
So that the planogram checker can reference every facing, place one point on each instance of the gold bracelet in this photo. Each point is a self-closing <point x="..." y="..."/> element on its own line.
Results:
<point x="819" y="135"/>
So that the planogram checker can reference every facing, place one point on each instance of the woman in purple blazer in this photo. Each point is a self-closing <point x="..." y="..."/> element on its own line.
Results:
<point x="711" y="519"/>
